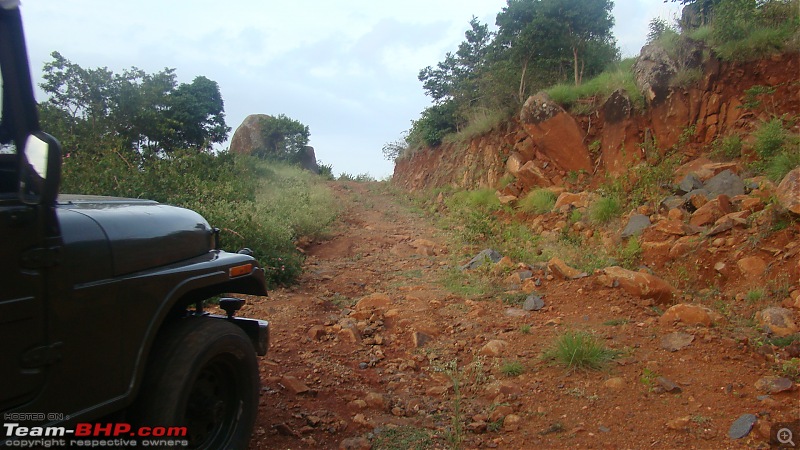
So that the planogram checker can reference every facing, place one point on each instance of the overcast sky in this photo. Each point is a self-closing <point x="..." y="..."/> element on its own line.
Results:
<point x="347" y="69"/>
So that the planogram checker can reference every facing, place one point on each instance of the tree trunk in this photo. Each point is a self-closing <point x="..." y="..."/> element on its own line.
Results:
<point x="575" y="65"/>
<point x="522" y="82"/>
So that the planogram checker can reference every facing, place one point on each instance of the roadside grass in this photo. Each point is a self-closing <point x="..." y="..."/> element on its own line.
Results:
<point x="402" y="438"/>
<point x="537" y="201"/>
<point x="579" y="350"/>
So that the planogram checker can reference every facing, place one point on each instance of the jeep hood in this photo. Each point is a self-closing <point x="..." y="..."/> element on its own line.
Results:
<point x="108" y="236"/>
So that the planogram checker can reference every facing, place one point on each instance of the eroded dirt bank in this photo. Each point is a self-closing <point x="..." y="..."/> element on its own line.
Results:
<point x="371" y="339"/>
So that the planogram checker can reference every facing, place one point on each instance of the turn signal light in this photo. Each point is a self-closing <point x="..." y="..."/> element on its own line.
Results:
<point x="240" y="270"/>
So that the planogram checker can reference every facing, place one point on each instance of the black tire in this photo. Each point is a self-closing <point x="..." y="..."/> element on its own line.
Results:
<point x="202" y="374"/>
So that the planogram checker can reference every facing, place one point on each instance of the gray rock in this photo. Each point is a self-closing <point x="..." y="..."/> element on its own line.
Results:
<point x="676" y="341"/>
<point x="742" y="426"/>
<point x="672" y="202"/>
<point x="636" y="224"/>
<point x="487" y="256"/>
<point x="689" y="183"/>
<point x="653" y="71"/>
<point x="668" y="385"/>
<point x="774" y="385"/>
<point x="525" y="274"/>
<point x="725" y="182"/>
<point x="533" y="303"/>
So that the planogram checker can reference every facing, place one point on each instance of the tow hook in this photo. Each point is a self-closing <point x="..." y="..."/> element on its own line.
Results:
<point x="231" y="305"/>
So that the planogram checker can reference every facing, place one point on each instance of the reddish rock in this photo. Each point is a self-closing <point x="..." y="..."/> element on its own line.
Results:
<point x="579" y="200"/>
<point x="778" y="321"/>
<point x="555" y="133"/>
<point x="559" y="267"/>
<point x="294" y="385"/>
<point x="494" y="348"/>
<point x="676" y="228"/>
<point x="515" y="162"/>
<point x="689" y="314"/>
<point x="373" y="301"/>
<point x="788" y="191"/>
<point x="752" y="267"/>
<point x="529" y="176"/>
<point x="640" y="284"/>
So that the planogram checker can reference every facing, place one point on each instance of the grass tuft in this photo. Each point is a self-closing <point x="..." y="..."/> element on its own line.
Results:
<point x="579" y="350"/>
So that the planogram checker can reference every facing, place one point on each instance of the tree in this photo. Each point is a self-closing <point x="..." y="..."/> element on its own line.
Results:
<point x="284" y="139"/>
<point x="96" y="110"/>
<point x="541" y="35"/>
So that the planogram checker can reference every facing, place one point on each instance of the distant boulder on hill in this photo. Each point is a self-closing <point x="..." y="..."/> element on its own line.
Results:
<point x="248" y="137"/>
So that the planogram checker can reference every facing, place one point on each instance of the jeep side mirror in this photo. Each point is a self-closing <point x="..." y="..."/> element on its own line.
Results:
<point x="40" y="169"/>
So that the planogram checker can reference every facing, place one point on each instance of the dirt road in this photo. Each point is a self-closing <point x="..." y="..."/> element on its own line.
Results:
<point x="371" y="348"/>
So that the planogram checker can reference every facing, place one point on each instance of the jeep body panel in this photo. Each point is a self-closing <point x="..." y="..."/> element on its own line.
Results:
<point x="87" y="283"/>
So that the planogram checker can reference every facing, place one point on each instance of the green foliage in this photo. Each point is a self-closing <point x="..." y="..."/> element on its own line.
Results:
<point x="434" y="123"/>
<point x="402" y="438"/>
<point x="284" y="139"/>
<point x="782" y="163"/>
<point x="770" y="138"/>
<point x="631" y="253"/>
<point x="657" y="28"/>
<point x="512" y="368"/>
<point x="579" y="350"/>
<point x="748" y="29"/>
<point x="790" y="368"/>
<point x="729" y="147"/>
<point x="261" y="206"/>
<point x="618" y="76"/>
<point x="604" y="209"/>
<point x="538" y="201"/>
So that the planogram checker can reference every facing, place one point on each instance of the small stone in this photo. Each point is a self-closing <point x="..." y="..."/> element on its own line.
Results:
<point x="616" y="383"/>
<point x="375" y="400"/>
<point x="494" y="348"/>
<point x="511" y="422"/>
<point x="668" y="385"/>
<point x="689" y="314"/>
<point x="774" y="385"/>
<point x="778" y="321"/>
<point x="533" y="303"/>
<point x="681" y="423"/>
<point x="742" y="426"/>
<point x="477" y="427"/>
<point x="676" y="341"/>
<point x="294" y="385"/>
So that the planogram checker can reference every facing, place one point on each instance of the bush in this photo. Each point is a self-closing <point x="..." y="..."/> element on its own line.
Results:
<point x="770" y="138"/>
<point x="579" y="350"/>
<point x="604" y="209"/>
<point x="538" y="201"/>
<point x="619" y="76"/>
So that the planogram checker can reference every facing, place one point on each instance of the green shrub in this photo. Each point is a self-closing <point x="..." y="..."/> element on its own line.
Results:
<point x="512" y="369"/>
<point x="579" y="350"/>
<point x="538" y="201"/>
<point x="782" y="164"/>
<point x="770" y="138"/>
<point x="729" y="147"/>
<point x="619" y="76"/>
<point x="604" y="209"/>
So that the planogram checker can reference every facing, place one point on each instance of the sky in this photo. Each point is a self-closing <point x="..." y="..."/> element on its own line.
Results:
<point x="347" y="69"/>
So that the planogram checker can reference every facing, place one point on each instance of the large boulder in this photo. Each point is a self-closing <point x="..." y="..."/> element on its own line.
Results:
<point x="556" y="134"/>
<point x="247" y="136"/>
<point x="652" y="72"/>
<point x="788" y="192"/>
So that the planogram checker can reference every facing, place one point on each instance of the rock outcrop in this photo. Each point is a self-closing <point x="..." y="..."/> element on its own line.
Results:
<point x="247" y="136"/>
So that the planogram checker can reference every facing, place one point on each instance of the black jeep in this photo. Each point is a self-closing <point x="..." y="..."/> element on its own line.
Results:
<point x="101" y="299"/>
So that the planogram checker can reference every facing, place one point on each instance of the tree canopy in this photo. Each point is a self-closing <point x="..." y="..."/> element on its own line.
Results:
<point x="284" y="139"/>
<point x="538" y="43"/>
<point x="94" y="110"/>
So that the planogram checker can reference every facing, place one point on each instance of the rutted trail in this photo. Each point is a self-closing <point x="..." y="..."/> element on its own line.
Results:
<point x="370" y="339"/>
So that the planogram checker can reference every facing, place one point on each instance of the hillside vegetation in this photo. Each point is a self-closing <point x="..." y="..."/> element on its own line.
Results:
<point x="566" y="48"/>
